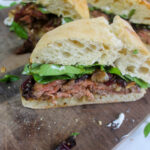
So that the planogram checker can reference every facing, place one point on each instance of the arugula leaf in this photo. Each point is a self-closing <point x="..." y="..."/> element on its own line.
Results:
<point x="139" y="82"/>
<point x="2" y="7"/>
<point x="116" y="71"/>
<point x="147" y="130"/>
<point x="68" y="19"/>
<point x="124" y="16"/>
<point x="107" y="12"/>
<point x="19" y="30"/>
<point x="92" y="8"/>
<point x="44" y="73"/>
<point x="9" y="78"/>
<point x="13" y="4"/>
<point x="135" y="51"/>
<point x="26" y="70"/>
<point x="55" y="70"/>
<point x="43" y="10"/>
<point x="102" y="68"/>
<point x="131" y="13"/>
<point x="47" y="79"/>
<point x="75" y="134"/>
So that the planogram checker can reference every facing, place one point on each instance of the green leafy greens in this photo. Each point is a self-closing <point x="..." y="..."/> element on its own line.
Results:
<point x="93" y="8"/>
<point x="12" y="4"/>
<point x="68" y="19"/>
<point x="135" y="52"/>
<point x="43" y="10"/>
<point x="2" y="7"/>
<point x="19" y="30"/>
<point x="147" y="130"/>
<point x="9" y="78"/>
<point x="49" y="72"/>
<point x="75" y="134"/>
<point x="45" y="73"/>
<point x="131" y="13"/>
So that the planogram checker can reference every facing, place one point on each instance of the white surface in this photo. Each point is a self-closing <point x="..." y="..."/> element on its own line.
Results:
<point x="136" y="140"/>
<point x="8" y="2"/>
<point x="118" y="122"/>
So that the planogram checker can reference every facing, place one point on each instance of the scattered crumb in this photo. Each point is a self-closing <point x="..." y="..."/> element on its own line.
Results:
<point x="128" y="110"/>
<point x="38" y="128"/>
<point x="133" y="120"/>
<point x="100" y="122"/>
<point x="3" y="69"/>
<point x="54" y="122"/>
<point x="94" y="120"/>
<point x="9" y="87"/>
<point x="118" y="122"/>
<point x="41" y="118"/>
<point x="76" y="120"/>
<point x="63" y="127"/>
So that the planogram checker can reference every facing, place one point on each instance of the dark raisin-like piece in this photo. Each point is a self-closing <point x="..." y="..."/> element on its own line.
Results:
<point x="84" y="77"/>
<point x="68" y="144"/>
<point x="27" y="88"/>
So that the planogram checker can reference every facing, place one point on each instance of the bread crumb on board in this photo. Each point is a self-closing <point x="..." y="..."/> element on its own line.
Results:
<point x="3" y="69"/>
<point x="100" y="122"/>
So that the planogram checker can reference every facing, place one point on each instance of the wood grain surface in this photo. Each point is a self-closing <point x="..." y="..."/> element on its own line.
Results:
<point x="27" y="129"/>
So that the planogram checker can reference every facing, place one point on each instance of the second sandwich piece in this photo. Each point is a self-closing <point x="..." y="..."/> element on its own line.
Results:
<point x="85" y="62"/>
<point x="30" y="20"/>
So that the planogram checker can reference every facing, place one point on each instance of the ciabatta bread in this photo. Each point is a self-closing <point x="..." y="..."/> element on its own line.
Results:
<point x="88" y="41"/>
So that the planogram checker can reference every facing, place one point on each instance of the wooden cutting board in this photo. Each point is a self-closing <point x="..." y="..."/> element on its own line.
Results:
<point x="26" y="129"/>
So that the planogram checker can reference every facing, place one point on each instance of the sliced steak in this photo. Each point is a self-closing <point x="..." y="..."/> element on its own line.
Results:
<point x="83" y="88"/>
<point x="36" y="23"/>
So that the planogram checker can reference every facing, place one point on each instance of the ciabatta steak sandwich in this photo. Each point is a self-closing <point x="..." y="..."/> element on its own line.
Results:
<point x="88" y="61"/>
<point x="31" y="19"/>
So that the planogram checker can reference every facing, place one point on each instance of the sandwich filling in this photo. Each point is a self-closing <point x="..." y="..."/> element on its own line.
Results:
<point x="31" y="21"/>
<point x="50" y="82"/>
<point x="142" y="30"/>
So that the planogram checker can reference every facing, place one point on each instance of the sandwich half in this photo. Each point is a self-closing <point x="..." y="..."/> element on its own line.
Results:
<point x="31" y="19"/>
<point x="137" y="12"/>
<point x="88" y="61"/>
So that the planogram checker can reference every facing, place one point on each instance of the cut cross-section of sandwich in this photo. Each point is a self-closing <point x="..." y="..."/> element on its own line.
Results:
<point x="137" y="12"/>
<point x="88" y="61"/>
<point x="30" y="20"/>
